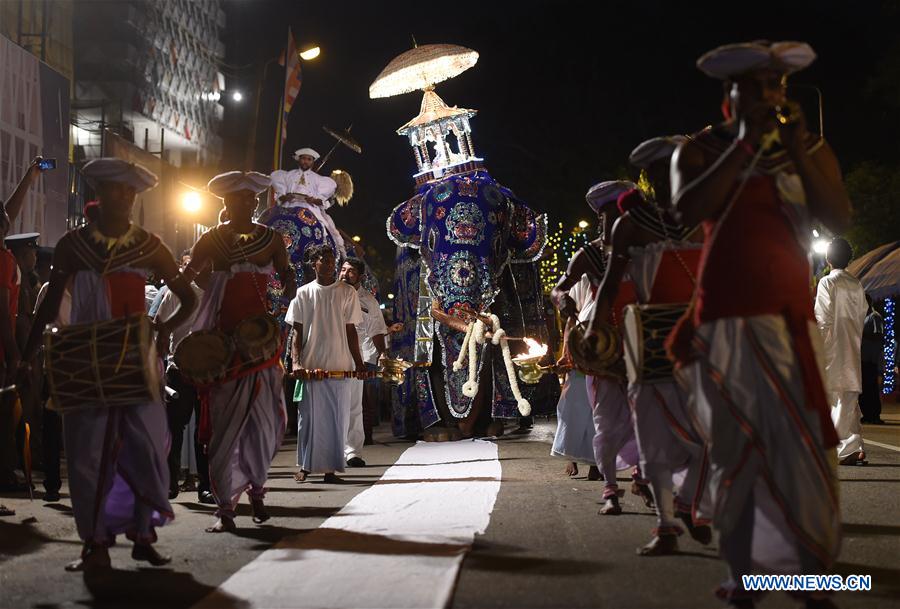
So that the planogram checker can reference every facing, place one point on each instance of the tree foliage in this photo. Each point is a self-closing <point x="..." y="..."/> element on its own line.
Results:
<point x="874" y="189"/>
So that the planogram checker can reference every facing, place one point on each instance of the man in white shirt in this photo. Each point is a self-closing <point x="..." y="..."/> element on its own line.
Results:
<point x="841" y="313"/>
<point x="324" y="315"/>
<point x="371" y="333"/>
<point x="303" y="187"/>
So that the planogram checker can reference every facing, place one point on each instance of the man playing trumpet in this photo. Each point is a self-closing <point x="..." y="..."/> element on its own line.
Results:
<point x="749" y="346"/>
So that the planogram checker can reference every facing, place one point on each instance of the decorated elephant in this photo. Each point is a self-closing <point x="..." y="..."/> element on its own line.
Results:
<point x="474" y="251"/>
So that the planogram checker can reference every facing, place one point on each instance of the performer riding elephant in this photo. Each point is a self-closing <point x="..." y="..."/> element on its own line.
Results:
<point x="303" y="198"/>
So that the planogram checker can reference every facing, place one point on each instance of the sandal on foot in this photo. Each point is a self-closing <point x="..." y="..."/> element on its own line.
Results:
<point x="144" y="552"/>
<point x="258" y="509"/>
<point x="661" y="545"/>
<point x="643" y="491"/>
<point x="222" y="525"/>
<point x="701" y="533"/>
<point x="611" y="507"/>
<point x="92" y="557"/>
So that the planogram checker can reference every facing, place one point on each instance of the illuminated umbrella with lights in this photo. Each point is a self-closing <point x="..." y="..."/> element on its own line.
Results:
<point x="421" y="68"/>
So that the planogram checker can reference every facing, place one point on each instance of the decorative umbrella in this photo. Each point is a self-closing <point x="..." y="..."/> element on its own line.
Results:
<point x="341" y="136"/>
<point x="879" y="271"/>
<point x="422" y="67"/>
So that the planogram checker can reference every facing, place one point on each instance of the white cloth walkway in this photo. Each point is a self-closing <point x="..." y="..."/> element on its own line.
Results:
<point x="399" y="543"/>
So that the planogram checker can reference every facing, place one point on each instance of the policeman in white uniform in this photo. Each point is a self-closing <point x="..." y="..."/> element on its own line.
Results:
<point x="303" y="187"/>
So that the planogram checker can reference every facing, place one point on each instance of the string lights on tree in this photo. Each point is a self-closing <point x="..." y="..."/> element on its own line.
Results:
<point x="562" y="245"/>
<point x="890" y="357"/>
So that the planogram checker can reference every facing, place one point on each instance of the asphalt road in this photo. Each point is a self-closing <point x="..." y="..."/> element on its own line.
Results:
<point x="545" y="545"/>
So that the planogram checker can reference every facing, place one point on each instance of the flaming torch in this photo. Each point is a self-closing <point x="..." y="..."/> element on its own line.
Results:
<point x="530" y="371"/>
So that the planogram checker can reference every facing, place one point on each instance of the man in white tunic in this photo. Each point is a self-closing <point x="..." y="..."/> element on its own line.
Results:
<point x="840" y="314"/>
<point x="303" y="187"/>
<point x="370" y="332"/>
<point x="324" y="314"/>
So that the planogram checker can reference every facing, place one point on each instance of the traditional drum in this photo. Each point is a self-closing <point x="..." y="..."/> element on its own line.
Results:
<point x="646" y="330"/>
<point x="257" y="339"/>
<point x="607" y="358"/>
<point x="102" y="365"/>
<point x="204" y="357"/>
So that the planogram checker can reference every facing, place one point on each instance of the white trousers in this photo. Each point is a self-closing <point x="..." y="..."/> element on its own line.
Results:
<point x="356" y="435"/>
<point x="845" y="414"/>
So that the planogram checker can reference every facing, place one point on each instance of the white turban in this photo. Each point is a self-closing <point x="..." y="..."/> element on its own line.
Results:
<point x="603" y="193"/>
<point x="306" y="152"/>
<point x="110" y="169"/>
<point x="234" y="181"/>
<point x="654" y="149"/>
<point x="735" y="59"/>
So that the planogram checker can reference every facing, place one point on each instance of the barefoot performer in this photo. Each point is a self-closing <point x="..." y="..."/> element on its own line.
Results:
<point x="660" y="256"/>
<point x="247" y="416"/>
<point x="614" y="442"/>
<point x="749" y="345"/>
<point x="118" y="475"/>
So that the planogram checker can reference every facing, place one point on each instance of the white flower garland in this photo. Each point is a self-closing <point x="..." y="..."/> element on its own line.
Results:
<point x="464" y="350"/>
<point x="476" y="335"/>
<point x="470" y="387"/>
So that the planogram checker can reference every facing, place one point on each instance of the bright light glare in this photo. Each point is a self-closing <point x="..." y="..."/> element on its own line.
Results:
<point x="390" y="297"/>
<point x="583" y="224"/>
<point x="357" y="238"/>
<point x="237" y="96"/>
<point x="191" y="202"/>
<point x="815" y="233"/>
<point x="820" y="246"/>
<point x="310" y="53"/>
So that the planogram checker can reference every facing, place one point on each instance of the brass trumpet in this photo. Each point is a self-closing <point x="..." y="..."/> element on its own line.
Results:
<point x="788" y="113"/>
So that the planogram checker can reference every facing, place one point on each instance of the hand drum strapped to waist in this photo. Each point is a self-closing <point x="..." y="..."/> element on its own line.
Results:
<point x="208" y="356"/>
<point x="646" y="330"/>
<point x="102" y="365"/>
<point x="605" y="360"/>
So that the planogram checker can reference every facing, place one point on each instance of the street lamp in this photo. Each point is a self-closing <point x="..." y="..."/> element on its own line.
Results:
<point x="357" y="238"/>
<point x="310" y="53"/>
<point x="237" y="96"/>
<point x="583" y="224"/>
<point x="191" y="202"/>
<point x="820" y="246"/>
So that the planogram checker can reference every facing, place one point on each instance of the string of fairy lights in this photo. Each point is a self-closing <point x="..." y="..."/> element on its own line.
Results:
<point x="562" y="243"/>
<point x="890" y="356"/>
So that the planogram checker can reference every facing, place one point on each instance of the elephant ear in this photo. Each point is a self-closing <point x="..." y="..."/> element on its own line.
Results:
<point x="404" y="224"/>
<point x="527" y="232"/>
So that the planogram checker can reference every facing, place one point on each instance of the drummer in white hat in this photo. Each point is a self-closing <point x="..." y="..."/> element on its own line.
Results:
<point x="246" y="410"/>
<point x="104" y="266"/>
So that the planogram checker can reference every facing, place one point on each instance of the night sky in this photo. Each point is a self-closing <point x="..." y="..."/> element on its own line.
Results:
<point x="564" y="90"/>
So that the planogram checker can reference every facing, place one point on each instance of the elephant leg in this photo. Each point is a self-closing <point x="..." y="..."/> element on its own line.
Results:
<point x="479" y="422"/>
